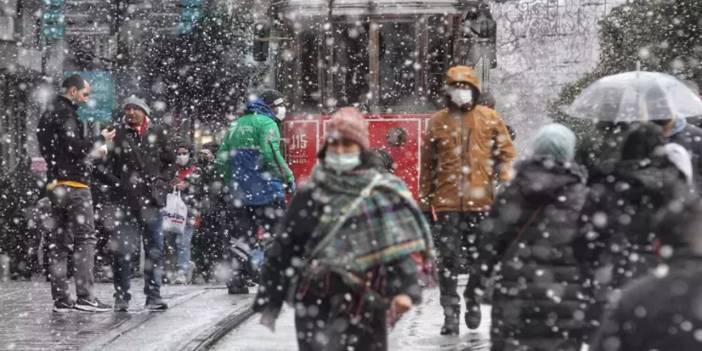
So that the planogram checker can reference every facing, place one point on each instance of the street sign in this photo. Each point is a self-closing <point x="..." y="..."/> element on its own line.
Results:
<point x="102" y="96"/>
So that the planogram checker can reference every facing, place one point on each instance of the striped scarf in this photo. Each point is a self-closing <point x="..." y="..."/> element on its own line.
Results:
<point x="370" y="219"/>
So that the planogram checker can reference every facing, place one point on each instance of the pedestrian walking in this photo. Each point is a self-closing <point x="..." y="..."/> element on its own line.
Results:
<point x="65" y="148"/>
<point x="143" y="161"/>
<point x="618" y="237"/>
<point x="466" y="153"/>
<point x="188" y="181"/>
<point x="689" y="136"/>
<point x="352" y="246"/>
<point x="537" y="295"/>
<point x="661" y="311"/>
<point x="251" y="159"/>
<point x="208" y="241"/>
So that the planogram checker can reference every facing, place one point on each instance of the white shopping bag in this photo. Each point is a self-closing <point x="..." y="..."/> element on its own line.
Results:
<point x="174" y="214"/>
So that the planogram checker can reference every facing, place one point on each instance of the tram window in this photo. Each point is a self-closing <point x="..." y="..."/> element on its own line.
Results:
<point x="309" y="69"/>
<point x="351" y="66"/>
<point x="438" y="56"/>
<point x="285" y="72"/>
<point x="398" y="58"/>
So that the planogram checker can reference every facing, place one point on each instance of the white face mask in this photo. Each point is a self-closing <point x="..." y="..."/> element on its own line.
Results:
<point x="182" y="160"/>
<point x="461" y="96"/>
<point x="282" y="112"/>
<point x="342" y="163"/>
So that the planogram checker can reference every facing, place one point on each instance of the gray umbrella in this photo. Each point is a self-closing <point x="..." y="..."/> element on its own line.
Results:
<point x="636" y="96"/>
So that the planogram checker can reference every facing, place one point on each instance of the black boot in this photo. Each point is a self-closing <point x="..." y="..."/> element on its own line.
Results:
<point x="451" y="321"/>
<point x="473" y="315"/>
<point x="237" y="287"/>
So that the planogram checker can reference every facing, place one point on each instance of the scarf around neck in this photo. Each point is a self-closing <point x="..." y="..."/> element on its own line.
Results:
<point x="370" y="219"/>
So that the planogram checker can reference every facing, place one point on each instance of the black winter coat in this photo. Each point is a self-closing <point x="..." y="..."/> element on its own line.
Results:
<point x="62" y="143"/>
<point x="656" y="313"/>
<point x="144" y="165"/>
<point x="618" y="222"/>
<point x="538" y="293"/>
<point x="691" y="139"/>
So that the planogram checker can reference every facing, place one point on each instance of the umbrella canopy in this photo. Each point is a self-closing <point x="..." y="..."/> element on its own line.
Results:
<point x="636" y="96"/>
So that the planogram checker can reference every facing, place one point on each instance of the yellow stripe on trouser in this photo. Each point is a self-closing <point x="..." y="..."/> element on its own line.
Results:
<point x="68" y="183"/>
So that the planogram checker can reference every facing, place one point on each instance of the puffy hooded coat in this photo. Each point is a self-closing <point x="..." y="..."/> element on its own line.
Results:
<point x="538" y="295"/>
<point x="463" y="154"/>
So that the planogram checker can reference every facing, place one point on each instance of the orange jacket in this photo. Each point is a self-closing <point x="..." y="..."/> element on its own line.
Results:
<point x="460" y="154"/>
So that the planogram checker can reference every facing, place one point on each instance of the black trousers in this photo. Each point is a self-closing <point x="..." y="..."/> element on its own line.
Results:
<point x="457" y="238"/>
<point x="248" y="223"/>
<point x="72" y="233"/>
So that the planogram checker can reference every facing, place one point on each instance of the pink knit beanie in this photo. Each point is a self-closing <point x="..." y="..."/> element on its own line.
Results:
<point x="348" y="123"/>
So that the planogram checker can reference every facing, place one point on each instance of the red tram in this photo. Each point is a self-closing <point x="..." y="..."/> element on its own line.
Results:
<point x="387" y="57"/>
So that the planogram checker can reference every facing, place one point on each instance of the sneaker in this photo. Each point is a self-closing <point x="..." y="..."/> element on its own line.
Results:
<point x="62" y="307"/>
<point x="472" y="316"/>
<point x="121" y="305"/>
<point x="156" y="305"/>
<point x="180" y="279"/>
<point x="91" y="306"/>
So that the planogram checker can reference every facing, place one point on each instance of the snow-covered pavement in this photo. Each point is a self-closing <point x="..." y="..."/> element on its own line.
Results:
<point x="418" y="330"/>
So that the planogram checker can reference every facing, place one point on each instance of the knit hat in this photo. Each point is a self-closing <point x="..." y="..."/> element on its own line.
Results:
<point x="556" y="141"/>
<point x="140" y="103"/>
<point x="348" y="123"/>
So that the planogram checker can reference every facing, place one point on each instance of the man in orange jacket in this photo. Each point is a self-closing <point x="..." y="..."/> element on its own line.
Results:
<point x="466" y="151"/>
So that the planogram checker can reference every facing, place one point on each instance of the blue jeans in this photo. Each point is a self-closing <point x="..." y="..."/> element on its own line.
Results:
<point x="184" y="248"/>
<point x="126" y="240"/>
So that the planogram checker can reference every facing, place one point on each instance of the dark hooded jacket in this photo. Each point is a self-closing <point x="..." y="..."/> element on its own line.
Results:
<point x="618" y="235"/>
<point x="661" y="312"/>
<point x="618" y="220"/>
<point x="656" y="313"/>
<point x="531" y="227"/>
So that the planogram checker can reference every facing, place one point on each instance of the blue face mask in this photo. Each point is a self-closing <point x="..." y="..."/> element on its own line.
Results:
<point x="342" y="163"/>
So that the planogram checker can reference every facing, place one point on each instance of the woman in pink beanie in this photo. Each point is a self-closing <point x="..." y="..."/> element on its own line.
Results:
<point x="351" y="249"/>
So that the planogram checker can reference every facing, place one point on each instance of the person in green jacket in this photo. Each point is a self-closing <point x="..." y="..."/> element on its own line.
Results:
<point x="251" y="160"/>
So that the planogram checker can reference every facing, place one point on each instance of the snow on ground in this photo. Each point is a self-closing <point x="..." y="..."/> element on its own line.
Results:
<point x="418" y="330"/>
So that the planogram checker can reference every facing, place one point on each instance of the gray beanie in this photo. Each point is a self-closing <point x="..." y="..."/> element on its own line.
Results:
<point x="140" y="103"/>
<point x="555" y="141"/>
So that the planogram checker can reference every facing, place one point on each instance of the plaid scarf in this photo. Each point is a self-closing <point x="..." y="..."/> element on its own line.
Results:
<point x="371" y="220"/>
